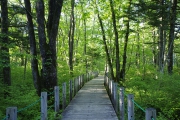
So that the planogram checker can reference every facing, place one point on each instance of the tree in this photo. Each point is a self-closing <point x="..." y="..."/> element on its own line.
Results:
<point x="116" y="41"/>
<point x="123" y="69"/>
<point x="106" y="48"/>
<point x="171" y="36"/>
<point x="4" y="48"/>
<point x="47" y="43"/>
<point x="71" y="38"/>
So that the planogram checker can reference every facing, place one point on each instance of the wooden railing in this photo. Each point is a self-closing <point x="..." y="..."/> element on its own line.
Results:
<point x="74" y="86"/>
<point x="117" y="96"/>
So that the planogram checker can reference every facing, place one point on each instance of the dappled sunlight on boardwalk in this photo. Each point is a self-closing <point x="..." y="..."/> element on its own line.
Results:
<point x="91" y="103"/>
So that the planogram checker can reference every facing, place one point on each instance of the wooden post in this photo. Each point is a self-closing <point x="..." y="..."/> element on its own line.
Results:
<point x="83" y="80"/>
<point x="130" y="107"/>
<point x="11" y="113"/>
<point x="56" y="99"/>
<point x="64" y="96"/>
<point x="112" y="91"/>
<point x="115" y="97"/>
<point x="107" y="84"/>
<point x="70" y="90"/>
<point x="150" y="114"/>
<point x="109" y="88"/>
<point x="79" y="83"/>
<point x="121" y="103"/>
<point x="43" y="105"/>
<point x="86" y="77"/>
<point x="75" y="89"/>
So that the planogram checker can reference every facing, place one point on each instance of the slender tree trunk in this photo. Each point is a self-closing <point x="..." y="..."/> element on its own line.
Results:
<point x="116" y="42"/>
<point x="106" y="48"/>
<point x="154" y="49"/>
<point x="123" y="70"/>
<point x="71" y="38"/>
<point x="161" y="40"/>
<point x="33" y="51"/>
<point x="171" y="36"/>
<point x="85" y="45"/>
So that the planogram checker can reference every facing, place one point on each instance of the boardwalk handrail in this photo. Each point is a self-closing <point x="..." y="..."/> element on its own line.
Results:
<point x="74" y="86"/>
<point x="117" y="99"/>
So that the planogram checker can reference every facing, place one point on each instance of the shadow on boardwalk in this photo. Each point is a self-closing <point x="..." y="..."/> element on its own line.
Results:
<point x="91" y="103"/>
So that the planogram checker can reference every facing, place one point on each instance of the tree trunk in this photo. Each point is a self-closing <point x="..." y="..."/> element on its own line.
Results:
<point x="161" y="40"/>
<point x="48" y="49"/>
<point x="106" y="48"/>
<point x="4" y="48"/>
<point x="85" y="45"/>
<point x="33" y="51"/>
<point x="71" y="38"/>
<point x="116" y="42"/>
<point x="6" y="70"/>
<point x="171" y="37"/>
<point x="123" y="70"/>
<point x="47" y="45"/>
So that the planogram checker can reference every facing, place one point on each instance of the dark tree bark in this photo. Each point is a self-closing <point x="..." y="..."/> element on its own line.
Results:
<point x="116" y="42"/>
<point x="48" y="78"/>
<point x="48" y="45"/>
<point x="5" y="58"/>
<point x="71" y="38"/>
<point x="106" y="48"/>
<point x="123" y="69"/>
<point x="171" y="36"/>
<point x="33" y="51"/>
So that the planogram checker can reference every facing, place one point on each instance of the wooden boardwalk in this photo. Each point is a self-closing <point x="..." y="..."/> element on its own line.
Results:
<point x="91" y="103"/>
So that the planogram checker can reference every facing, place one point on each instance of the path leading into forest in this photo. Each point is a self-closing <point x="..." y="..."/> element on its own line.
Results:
<point x="91" y="103"/>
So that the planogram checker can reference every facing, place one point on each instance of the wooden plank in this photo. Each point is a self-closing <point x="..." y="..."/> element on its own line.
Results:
<point x="91" y="103"/>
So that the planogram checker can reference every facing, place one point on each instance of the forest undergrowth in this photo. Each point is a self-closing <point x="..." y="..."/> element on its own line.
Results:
<point x="157" y="90"/>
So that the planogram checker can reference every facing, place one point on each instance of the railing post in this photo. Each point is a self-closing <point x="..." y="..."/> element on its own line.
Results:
<point x="121" y="103"/>
<point x="74" y="87"/>
<point x="56" y="99"/>
<point x="43" y="105"/>
<point x="115" y="97"/>
<point x="112" y="91"/>
<point x="11" y="113"/>
<point x="109" y="88"/>
<point x="107" y="84"/>
<point x="130" y="107"/>
<point x="79" y="83"/>
<point x="150" y="114"/>
<point x="64" y="96"/>
<point x="104" y="79"/>
<point x="70" y="90"/>
<point x="83" y="79"/>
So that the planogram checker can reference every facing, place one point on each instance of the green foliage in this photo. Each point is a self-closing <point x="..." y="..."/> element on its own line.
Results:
<point x="152" y="89"/>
